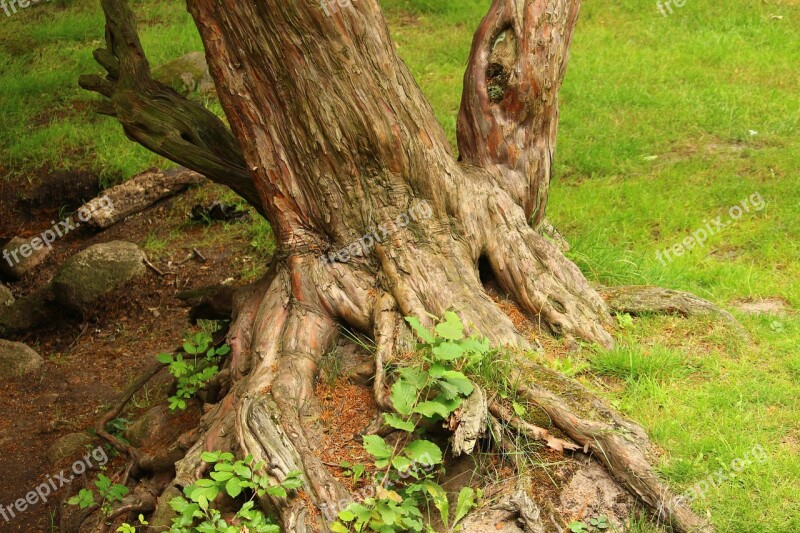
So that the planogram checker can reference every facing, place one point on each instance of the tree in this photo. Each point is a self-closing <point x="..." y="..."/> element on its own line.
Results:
<point x="330" y="139"/>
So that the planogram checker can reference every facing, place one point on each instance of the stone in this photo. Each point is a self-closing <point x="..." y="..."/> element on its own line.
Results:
<point x="6" y="298"/>
<point x="159" y="427"/>
<point x="20" y="256"/>
<point x="17" y="359"/>
<point x="94" y="272"/>
<point x="161" y="520"/>
<point x="27" y="312"/>
<point x="67" y="447"/>
<point x="187" y="74"/>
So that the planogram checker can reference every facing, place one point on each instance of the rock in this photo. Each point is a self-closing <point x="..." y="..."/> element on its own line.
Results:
<point x="67" y="447"/>
<point x="162" y="517"/>
<point x="187" y="74"/>
<point x="159" y="427"/>
<point x="6" y="298"/>
<point x="17" y="359"/>
<point x="19" y="256"/>
<point x="27" y="312"/>
<point x="90" y="274"/>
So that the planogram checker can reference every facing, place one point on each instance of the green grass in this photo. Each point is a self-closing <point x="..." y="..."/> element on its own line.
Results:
<point x="655" y="140"/>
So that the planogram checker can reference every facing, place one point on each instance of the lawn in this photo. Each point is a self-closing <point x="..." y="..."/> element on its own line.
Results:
<point x="667" y="122"/>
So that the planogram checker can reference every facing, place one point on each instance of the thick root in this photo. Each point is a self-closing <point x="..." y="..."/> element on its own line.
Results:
<point x="641" y="300"/>
<point x="541" y="279"/>
<point x="621" y="445"/>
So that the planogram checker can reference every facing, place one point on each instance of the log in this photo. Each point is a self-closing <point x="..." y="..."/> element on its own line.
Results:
<point x="136" y="195"/>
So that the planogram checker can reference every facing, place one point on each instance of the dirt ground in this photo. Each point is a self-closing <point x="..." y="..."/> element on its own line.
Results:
<point x="90" y="362"/>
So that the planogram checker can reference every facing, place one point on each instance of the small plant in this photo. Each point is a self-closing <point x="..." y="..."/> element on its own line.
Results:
<point x="237" y="479"/>
<point x="356" y="471"/>
<point x="127" y="528"/>
<point x="569" y="366"/>
<point x="117" y="427"/>
<point x="625" y="321"/>
<point x="601" y="523"/>
<point x="193" y="373"/>
<point x="423" y="394"/>
<point x="109" y="493"/>
<point x="578" y="527"/>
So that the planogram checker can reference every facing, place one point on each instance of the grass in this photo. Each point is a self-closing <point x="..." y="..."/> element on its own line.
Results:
<point x="666" y="123"/>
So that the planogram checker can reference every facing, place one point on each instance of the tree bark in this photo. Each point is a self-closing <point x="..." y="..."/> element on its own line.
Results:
<point x="375" y="217"/>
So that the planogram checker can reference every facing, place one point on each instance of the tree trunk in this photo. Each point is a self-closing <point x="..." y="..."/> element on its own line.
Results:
<point x="376" y="218"/>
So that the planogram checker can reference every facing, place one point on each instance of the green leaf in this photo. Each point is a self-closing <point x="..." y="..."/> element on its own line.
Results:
<point x="277" y="491"/>
<point x="420" y="330"/>
<point x="424" y="452"/>
<point x="476" y="346"/>
<point x="413" y="375"/>
<point x="210" y="457"/>
<point x="189" y="348"/>
<point x="223" y="350"/>
<point x="519" y="409"/>
<point x="233" y="487"/>
<point x="466" y="502"/>
<point x="294" y="480"/>
<point x="387" y="514"/>
<point x="451" y="329"/>
<point x="165" y="358"/>
<point x="439" y="497"/>
<point x="103" y="483"/>
<point x="242" y="470"/>
<point x="117" y="492"/>
<point x="401" y="464"/>
<point x="337" y="527"/>
<point x="396" y="422"/>
<point x="221" y="476"/>
<point x="431" y="409"/>
<point x="459" y="381"/>
<point x="83" y="499"/>
<point x="448" y="351"/>
<point x="347" y="516"/>
<point x="377" y="447"/>
<point x="403" y="397"/>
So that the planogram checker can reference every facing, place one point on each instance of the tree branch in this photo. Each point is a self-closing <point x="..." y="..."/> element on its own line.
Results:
<point x="157" y="117"/>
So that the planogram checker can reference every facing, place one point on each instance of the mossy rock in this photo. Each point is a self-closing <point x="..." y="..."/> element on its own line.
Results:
<point x="17" y="359"/>
<point x="67" y="447"/>
<point x="6" y="298"/>
<point x="92" y="273"/>
<point x="27" y="312"/>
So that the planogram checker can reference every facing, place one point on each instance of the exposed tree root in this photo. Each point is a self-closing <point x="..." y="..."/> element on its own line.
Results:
<point x="531" y="431"/>
<point x="621" y="445"/>
<point x="120" y="405"/>
<point x="641" y="300"/>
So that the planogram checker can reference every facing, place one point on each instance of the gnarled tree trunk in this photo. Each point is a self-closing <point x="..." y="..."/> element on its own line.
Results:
<point x="341" y="149"/>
